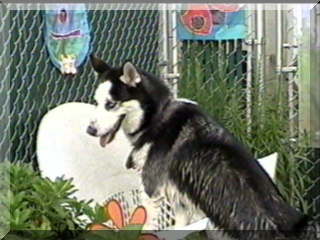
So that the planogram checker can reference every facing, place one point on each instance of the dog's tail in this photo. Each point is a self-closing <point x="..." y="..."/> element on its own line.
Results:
<point x="308" y="228"/>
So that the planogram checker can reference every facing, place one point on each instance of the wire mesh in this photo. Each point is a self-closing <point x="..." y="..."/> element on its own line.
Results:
<point x="313" y="192"/>
<point x="4" y="129"/>
<point x="4" y="86"/>
<point x="213" y="73"/>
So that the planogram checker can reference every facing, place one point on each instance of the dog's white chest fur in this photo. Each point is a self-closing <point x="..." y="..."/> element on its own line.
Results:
<point x="139" y="157"/>
<point x="134" y="117"/>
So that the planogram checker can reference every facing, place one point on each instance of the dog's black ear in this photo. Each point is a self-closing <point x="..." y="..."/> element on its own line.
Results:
<point x="98" y="65"/>
<point x="130" y="75"/>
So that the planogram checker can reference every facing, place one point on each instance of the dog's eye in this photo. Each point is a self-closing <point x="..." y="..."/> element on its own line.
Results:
<point x="110" y="104"/>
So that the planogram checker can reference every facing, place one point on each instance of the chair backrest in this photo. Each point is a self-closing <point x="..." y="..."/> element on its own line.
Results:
<point x="269" y="163"/>
<point x="64" y="148"/>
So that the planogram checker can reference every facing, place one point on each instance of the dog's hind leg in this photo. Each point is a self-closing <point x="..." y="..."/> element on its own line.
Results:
<point x="186" y="214"/>
<point x="182" y="216"/>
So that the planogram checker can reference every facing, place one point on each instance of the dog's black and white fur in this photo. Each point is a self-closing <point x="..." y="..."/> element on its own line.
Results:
<point x="189" y="158"/>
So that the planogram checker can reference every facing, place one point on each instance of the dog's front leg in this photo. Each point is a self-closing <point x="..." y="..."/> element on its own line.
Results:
<point x="152" y="206"/>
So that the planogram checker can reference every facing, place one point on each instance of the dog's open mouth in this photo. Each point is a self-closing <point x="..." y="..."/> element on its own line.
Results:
<point x="109" y="136"/>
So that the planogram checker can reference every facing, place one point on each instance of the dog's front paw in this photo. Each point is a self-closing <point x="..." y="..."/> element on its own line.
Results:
<point x="149" y="227"/>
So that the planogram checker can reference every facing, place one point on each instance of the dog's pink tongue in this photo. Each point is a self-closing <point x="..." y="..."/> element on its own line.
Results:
<point x="104" y="140"/>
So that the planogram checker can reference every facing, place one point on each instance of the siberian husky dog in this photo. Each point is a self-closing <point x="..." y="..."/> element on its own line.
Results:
<point x="187" y="157"/>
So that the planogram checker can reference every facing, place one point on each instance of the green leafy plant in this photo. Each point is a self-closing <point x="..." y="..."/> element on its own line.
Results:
<point x="38" y="203"/>
<point x="4" y="199"/>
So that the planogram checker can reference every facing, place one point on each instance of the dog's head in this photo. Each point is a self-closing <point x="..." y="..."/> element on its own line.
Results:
<point x="123" y="95"/>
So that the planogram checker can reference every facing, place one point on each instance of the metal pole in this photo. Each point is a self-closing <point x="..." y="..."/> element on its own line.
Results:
<point x="279" y="54"/>
<point x="249" y="71"/>
<point x="279" y="40"/>
<point x="260" y="56"/>
<point x="164" y="37"/>
<point x="292" y="97"/>
<point x="291" y="100"/>
<point x="175" y="57"/>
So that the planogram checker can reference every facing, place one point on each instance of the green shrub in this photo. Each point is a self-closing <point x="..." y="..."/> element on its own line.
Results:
<point x="38" y="203"/>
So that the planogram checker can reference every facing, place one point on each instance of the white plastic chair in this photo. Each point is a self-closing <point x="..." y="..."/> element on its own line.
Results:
<point x="65" y="149"/>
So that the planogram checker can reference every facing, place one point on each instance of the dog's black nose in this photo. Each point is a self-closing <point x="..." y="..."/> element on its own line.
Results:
<point x="92" y="131"/>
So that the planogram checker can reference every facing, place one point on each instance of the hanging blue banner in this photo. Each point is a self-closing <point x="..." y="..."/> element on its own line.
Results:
<point x="67" y="35"/>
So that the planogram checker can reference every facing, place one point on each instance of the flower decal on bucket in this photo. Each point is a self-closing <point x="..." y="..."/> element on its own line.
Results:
<point x="119" y="221"/>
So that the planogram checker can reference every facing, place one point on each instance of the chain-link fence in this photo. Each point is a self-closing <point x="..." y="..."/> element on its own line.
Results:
<point x="36" y="86"/>
<point x="249" y="85"/>
<point x="314" y="188"/>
